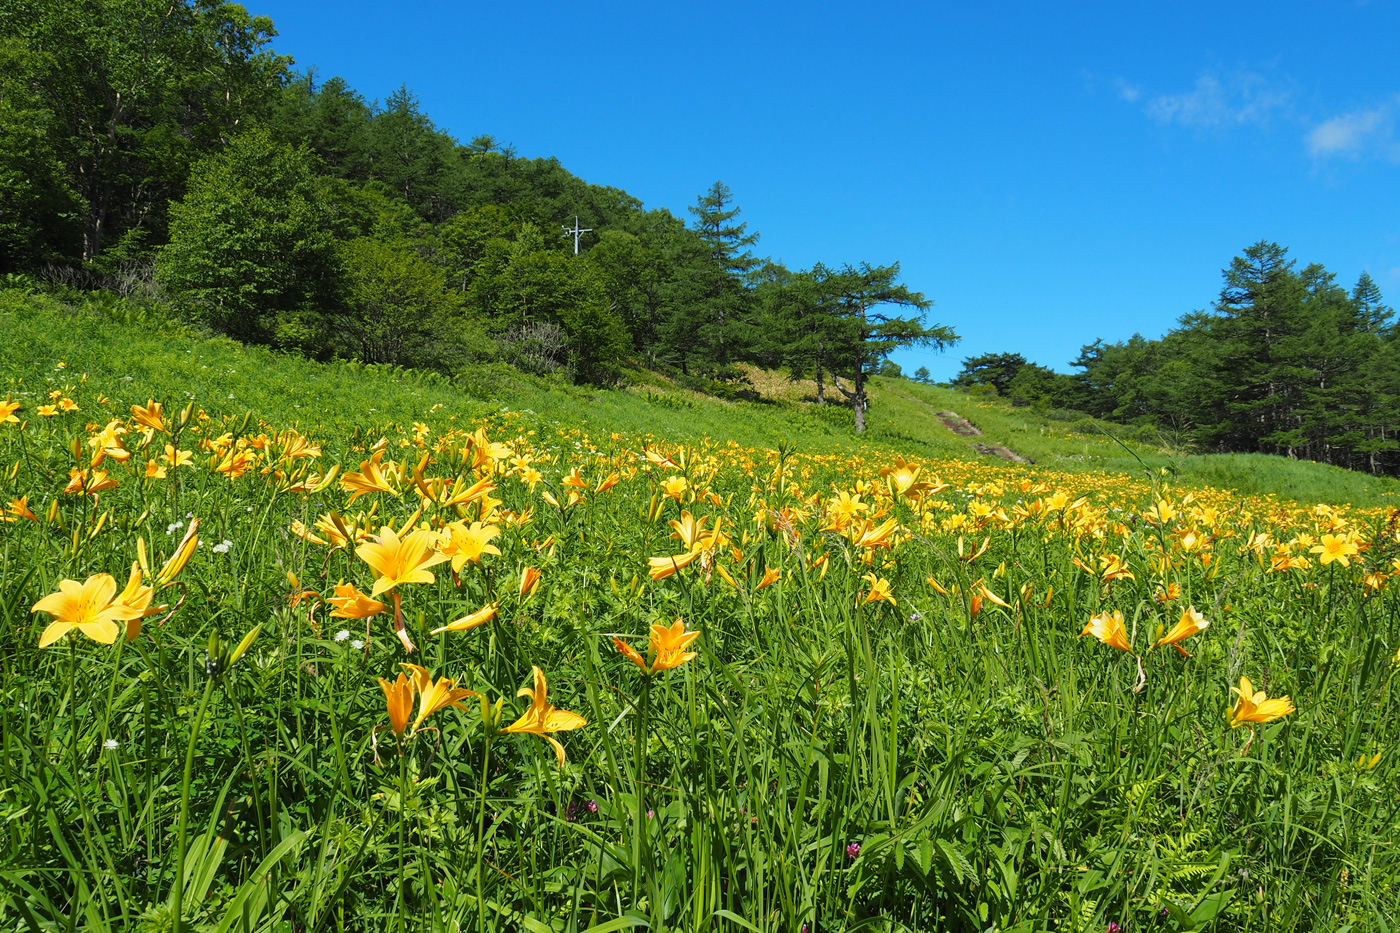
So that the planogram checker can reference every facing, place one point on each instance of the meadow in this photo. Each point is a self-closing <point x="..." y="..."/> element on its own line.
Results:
<point x="290" y="647"/>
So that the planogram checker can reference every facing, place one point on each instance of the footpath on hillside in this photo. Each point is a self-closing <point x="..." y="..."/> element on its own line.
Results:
<point x="964" y="428"/>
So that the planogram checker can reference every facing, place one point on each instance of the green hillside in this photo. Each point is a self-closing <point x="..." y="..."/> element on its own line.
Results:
<point x="133" y="352"/>
<point x="877" y="693"/>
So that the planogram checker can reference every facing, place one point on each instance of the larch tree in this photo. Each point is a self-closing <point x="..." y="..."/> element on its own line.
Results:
<point x="856" y="297"/>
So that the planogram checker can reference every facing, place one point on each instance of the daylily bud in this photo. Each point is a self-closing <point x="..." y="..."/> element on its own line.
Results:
<point x="244" y="645"/>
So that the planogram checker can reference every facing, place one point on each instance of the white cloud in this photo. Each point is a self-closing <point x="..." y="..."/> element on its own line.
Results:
<point x="1359" y="133"/>
<point x="1126" y="91"/>
<point x="1240" y="98"/>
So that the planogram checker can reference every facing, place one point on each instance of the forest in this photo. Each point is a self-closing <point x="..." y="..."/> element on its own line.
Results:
<point x="1286" y="362"/>
<point x="182" y="159"/>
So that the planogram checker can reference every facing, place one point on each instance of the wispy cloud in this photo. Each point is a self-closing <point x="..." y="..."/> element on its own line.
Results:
<point x="1213" y="101"/>
<point x="1358" y="134"/>
<point x="1126" y="91"/>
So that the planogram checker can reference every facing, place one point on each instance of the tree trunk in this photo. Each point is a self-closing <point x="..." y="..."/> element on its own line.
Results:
<point x="858" y="400"/>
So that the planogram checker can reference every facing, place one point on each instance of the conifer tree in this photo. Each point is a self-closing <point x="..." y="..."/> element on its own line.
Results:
<point x="727" y="243"/>
<point x="866" y="335"/>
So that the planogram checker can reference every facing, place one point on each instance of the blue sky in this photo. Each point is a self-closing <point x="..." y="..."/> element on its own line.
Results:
<point x="1046" y="173"/>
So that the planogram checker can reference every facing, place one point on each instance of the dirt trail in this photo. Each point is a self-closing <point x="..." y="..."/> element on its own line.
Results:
<point x="964" y="428"/>
<point x="958" y="424"/>
<point x="1005" y="453"/>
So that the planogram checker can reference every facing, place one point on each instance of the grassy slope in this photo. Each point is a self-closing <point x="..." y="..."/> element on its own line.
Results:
<point x="135" y="359"/>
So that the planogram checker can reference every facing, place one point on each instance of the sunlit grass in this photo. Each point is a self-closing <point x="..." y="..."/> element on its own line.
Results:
<point x="955" y="756"/>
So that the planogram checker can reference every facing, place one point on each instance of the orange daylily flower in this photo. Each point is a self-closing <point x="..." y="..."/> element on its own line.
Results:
<point x="1108" y="628"/>
<point x="398" y="697"/>
<point x="1189" y="624"/>
<point x="529" y="580"/>
<point x="17" y="509"/>
<point x="369" y="479"/>
<point x="1252" y="706"/>
<point x="543" y="718"/>
<point x="665" y="648"/>
<point x="350" y="603"/>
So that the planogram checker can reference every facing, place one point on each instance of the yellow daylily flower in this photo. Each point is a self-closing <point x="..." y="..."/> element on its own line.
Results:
<point x="398" y="560"/>
<point x="149" y="418"/>
<point x="675" y="487"/>
<point x="542" y="718"/>
<point x="879" y="590"/>
<point x="91" y="607"/>
<point x="663" y="567"/>
<point x="1189" y="624"/>
<point x="176" y="562"/>
<point x="1255" y="706"/>
<point x="1108" y="628"/>
<point x="481" y="616"/>
<point x="469" y="543"/>
<point x="1335" y="547"/>
<point x="434" y="695"/>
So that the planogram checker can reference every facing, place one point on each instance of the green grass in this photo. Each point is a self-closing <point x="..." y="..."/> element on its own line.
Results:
<point x="947" y="762"/>
<point x="132" y="355"/>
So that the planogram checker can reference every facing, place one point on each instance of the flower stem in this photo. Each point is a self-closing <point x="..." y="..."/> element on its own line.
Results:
<point x="403" y="816"/>
<point x="640" y="763"/>
<point x="178" y="895"/>
<point x="481" y="835"/>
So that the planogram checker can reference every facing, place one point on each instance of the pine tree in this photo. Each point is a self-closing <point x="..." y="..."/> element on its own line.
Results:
<point x="864" y="335"/>
<point x="1262" y="307"/>
<point x="729" y="261"/>
<point x="1371" y="310"/>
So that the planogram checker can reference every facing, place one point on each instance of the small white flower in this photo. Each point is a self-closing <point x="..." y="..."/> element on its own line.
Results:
<point x="173" y="527"/>
<point x="110" y="745"/>
<point x="342" y="634"/>
<point x="223" y="546"/>
<point x="357" y="644"/>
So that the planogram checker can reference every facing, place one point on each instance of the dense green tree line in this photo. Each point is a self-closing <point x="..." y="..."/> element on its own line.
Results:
<point x="1286" y="362"/>
<point x="166" y="146"/>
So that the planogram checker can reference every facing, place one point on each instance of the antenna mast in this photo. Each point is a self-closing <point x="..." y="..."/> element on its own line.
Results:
<point x="575" y="231"/>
